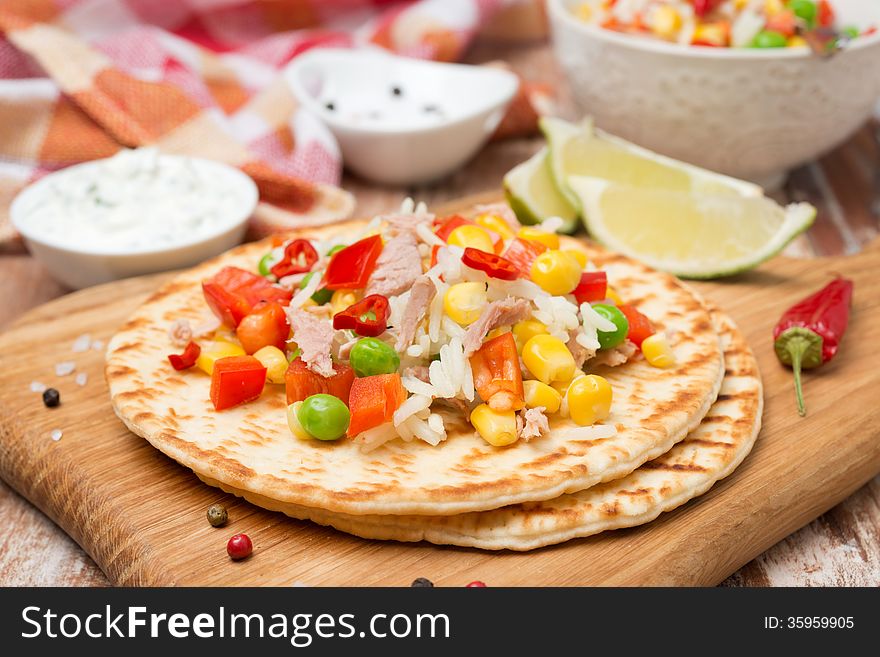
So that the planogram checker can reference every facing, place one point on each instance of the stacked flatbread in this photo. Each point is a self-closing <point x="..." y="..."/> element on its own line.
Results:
<point x="672" y="433"/>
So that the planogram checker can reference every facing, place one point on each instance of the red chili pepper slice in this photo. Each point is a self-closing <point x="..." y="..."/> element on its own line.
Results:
<point x="593" y="287"/>
<point x="493" y="265"/>
<point x="187" y="359"/>
<point x="522" y="254"/>
<point x="299" y="257"/>
<point x="640" y="327"/>
<point x="368" y="317"/>
<point x="351" y="267"/>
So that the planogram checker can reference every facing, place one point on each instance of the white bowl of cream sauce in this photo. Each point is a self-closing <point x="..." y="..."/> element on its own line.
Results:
<point x="399" y="120"/>
<point x="138" y="212"/>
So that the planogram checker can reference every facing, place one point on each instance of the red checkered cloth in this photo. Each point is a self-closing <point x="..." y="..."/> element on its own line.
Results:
<point x="83" y="78"/>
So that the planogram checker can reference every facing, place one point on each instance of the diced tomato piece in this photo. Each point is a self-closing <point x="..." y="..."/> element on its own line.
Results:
<point x="265" y="325"/>
<point x="232" y="293"/>
<point x="593" y="287"/>
<point x="300" y="382"/>
<point x="236" y="380"/>
<point x="522" y="254"/>
<point x="497" y="375"/>
<point x="640" y="327"/>
<point x="187" y="359"/>
<point x="373" y="400"/>
<point x="351" y="267"/>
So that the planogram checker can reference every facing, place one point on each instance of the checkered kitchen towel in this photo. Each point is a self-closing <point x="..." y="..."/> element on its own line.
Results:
<point x="79" y="79"/>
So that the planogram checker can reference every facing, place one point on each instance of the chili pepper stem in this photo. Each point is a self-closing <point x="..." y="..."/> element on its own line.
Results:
<point x="796" y="347"/>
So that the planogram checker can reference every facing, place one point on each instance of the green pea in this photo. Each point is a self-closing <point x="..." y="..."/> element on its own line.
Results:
<point x="371" y="356"/>
<point x="805" y="10"/>
<point x="320" y="297"/>
<point x="769" y="39"/>
<point x="266" y="263"/>
<point x="324" y="417"/>
<point x="610" y="339"/>
<point x="336" y="249"/>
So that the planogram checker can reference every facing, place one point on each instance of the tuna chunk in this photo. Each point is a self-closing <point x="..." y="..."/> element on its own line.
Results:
<point x="534" y="423"/>
<point x="423" y="291"/>
<point x="617" y="356"/>
<point x="580" y="353"/>
<point x="498" y="313"/>
<point x="398" y="266"/>
<point x="315" y="337"/>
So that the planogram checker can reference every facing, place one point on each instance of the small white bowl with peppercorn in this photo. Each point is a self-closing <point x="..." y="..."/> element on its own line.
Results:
<point x="398" y="120"/>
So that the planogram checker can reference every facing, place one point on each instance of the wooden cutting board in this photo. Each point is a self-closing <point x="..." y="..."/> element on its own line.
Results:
<point x="142" y="517"/>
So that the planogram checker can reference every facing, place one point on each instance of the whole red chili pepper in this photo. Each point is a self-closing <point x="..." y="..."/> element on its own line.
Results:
<point x="810" y="331"/>
<point x="187" y="359"/>
<point x="368" y="317"/>
<point x="299" y="257"/>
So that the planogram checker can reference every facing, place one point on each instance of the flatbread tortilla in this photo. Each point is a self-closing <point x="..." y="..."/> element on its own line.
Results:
<point x="709" y="453"/>
<point x="250" y="448"/>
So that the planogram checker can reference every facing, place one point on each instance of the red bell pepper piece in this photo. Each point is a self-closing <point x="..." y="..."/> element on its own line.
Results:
<point x="265" y="325"/>
<point x="449" y="224"/>
<point x="810" y="331"/>
<point x="232" y="293"/>
<point x="367" y="317"/>
<point x="299" y="257"/>
<point x="703" y="7"/>
<point x="640" y="327"/>
<point x="825" y="15"/>
<point x="522" y="254"/>
<point x="434" y="250"/>
<point x="187" y="359"/>
<point x="784" y="22"/>
<point x="236" y="380"/>
<point x="497" y="375"/>
<point x="493" y="265"/>
<point x="351" y="267"/>
<point x="373" y="400"/>
<point x="593" y="287"/>
<point x="300" y="382"/>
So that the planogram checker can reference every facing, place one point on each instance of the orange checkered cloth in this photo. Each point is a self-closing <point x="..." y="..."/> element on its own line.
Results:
<point x="80" y="79"/>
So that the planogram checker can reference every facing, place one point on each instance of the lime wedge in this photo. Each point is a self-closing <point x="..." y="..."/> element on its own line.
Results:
<point x="582" y="150"/>
<point x="533" y="195"/>
<point x="689" y="233"/>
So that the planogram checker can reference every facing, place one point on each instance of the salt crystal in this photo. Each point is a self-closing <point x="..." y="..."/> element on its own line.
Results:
<point x="65" y="368"/>
<point x="97" y="345"/>
<point x="56" y="435"/>
<point x="36" y="386"/>
<point x="82" y="378"/>
<point x="82" y="343"/>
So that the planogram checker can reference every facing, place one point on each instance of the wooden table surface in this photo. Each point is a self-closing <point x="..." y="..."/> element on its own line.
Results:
<point x="841" y="547"/>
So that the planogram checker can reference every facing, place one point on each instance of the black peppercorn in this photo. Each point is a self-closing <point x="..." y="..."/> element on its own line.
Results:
<point x="51" y="397"/>
<point x="217" y="515"/>
<point x="421" y="582"/>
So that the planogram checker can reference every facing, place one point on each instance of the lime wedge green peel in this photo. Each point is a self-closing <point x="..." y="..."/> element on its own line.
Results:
<point x="693" y="234"/>
<point x="533" y="195"/>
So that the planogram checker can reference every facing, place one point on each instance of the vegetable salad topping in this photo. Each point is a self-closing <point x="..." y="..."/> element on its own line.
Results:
<point x="722" y="23"/>
<point x="381" y="335"/>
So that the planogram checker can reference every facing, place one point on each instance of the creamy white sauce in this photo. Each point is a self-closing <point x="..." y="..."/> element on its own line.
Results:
<point x="137" y="200"/>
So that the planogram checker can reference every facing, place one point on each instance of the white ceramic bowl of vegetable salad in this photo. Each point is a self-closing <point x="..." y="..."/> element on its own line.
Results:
<point x="745" y="111"/>
<point x="138" y="212"/>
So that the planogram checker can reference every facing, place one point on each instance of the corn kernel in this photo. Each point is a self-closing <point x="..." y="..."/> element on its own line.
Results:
<point x="464" y="302"/>
<point x="714" y="34"/>
<point x="293" y="422"/>
<point x="584" y="12"/>
<point x="473" y="237"/>
<point x="666" y="22"/>
<point x="496" y="224"/>
<point x="773" y="7"/>
<point x="589" y="399"/>
<point x="527" y="329"/>
<point x="540" y="394"/>
<point x="796" y="41"/>
<point x="612" y="294"/>
<point x="556" y="272"/>
<point x="275" y="362"/>
<point x="342" y="299"/>
<point x="497" y="428"/>
<point x="578" y="255"/>
<point x="532" y="234"/>
<point x="548" y="359"/>
<point x="214" y="351"/>
<point x="657" y="351"/>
